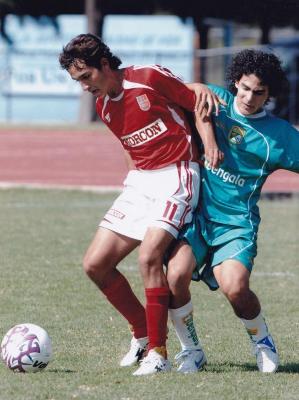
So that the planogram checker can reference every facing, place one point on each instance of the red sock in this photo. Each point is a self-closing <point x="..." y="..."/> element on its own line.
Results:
<point x="121" y="296"/>
<point x="157" y="301"/>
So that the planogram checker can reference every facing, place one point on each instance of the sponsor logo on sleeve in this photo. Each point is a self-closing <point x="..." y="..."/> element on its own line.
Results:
<point x="236" y="135"/>
<point x="145" y="134"/>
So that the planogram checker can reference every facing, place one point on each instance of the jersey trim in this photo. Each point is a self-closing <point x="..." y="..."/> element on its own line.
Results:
<point x="159" y="69"/>
<point x="252" y="116"/>
<point x="133" y="85"/>
<point x="240" y="251"/>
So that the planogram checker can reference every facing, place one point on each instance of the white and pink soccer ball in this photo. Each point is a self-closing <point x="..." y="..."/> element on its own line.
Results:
<point x="26" y="348"/>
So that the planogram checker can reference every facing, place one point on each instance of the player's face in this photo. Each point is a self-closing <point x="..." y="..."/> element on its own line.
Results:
<point x="91" y="79"/>
<point x="251" y="94"/>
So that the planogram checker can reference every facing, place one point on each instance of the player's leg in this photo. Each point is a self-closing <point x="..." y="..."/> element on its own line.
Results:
<point x="174" y="194"/>
<point x="180" y="267"/>
<point x="233" y="279"/>
<point x="151" y="254"/>
<point x="103" y="255"/>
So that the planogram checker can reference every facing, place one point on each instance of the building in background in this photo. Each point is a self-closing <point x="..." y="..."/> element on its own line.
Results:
<point x="34" y="89"/>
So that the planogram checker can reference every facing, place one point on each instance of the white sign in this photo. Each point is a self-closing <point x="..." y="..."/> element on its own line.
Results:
<point x="164" y="40"/>
<point x="44" y="33"/>
<point x="38" y="75"/>
<point x="32" y="65"/>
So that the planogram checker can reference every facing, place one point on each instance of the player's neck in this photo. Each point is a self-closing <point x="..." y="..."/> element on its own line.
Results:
<point x="117" y="86"/>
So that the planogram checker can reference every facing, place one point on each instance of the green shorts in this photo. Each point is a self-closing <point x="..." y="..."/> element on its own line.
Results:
<point x="212" y="243"/>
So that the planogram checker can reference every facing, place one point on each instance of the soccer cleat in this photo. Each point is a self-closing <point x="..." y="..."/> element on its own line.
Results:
<point x="189" y="361"/>
<point x="136" y="352"/>
<point x="154" y="362"/>
<point x="266" y="355"/>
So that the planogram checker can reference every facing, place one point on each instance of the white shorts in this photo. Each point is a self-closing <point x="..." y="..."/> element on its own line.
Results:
<point x="163" y="198"/>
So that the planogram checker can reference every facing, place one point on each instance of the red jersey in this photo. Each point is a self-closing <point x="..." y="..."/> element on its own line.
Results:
<point x="148" y="119"/>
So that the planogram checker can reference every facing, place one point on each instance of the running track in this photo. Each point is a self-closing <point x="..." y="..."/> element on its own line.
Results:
<point x="90" y="158"/>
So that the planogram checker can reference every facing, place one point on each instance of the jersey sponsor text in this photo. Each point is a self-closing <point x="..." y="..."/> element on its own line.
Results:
<point x="145" y="134"/>
<point x="225" y="176"/>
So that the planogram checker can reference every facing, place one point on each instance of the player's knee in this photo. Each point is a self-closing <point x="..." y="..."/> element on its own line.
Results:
<point x="148" y="259"/>
<point x="177" y="280"/>
<point x="88" y="266"/>
<point x="93" y="269"/>
<point x="235" y="291"/>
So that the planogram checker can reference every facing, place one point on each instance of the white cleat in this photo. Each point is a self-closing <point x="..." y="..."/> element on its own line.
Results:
<point x="154" y="362"/>
<point x="136" y="352"/>
<point x="266" y="355"/>
<point x="190" y="361"/>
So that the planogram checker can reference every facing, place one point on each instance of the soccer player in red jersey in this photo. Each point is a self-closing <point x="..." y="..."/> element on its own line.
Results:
<point x="143" y="107"/>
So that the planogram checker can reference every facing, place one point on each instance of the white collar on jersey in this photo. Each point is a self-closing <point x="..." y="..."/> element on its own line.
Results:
<point x="258" y="115"/>
<point x="117" y="98"/>
<point x="129" y="85"/>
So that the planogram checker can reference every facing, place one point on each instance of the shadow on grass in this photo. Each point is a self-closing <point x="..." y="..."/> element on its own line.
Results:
<point x="62" y="370"/>
<point x="230" y="367"/>
<point x="290" y="368"/>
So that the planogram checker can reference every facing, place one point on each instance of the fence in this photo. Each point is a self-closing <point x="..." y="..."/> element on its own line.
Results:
<point x="33" y="88"/>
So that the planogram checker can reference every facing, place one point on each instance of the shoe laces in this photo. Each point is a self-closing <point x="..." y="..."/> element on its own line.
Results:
<point x="260" y="345"/>
<point x="182" y="355"/>
<point x="151" y="356"/>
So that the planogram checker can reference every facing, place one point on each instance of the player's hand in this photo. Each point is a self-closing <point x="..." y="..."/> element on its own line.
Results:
<point x="214" y="156"/>
<point x="206" y="99"/>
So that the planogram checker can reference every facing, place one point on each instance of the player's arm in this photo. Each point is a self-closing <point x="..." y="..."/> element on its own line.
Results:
<point x="129" y="162"/>
<point x="204" y="126"/>
<point x="177" y="92"/>
<point x="289" y="157"/>
<point x="205" y="99"/>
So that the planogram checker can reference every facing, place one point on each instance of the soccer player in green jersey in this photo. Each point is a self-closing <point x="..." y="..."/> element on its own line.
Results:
<point x="219" y="246"/>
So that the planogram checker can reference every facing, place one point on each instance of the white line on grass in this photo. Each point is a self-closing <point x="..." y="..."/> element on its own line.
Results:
<point x="274" y="274"/>
<point x="84" y="188"/>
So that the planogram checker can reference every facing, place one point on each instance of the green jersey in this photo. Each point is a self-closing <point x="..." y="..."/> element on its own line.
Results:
<point x="254" y="146"/>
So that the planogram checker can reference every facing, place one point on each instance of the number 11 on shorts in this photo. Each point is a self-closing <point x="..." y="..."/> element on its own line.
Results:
<point x="170" y="210"/>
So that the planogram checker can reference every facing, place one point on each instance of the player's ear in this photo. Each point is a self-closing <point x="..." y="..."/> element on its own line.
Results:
<point x="104" y="63"/>
<point x="237" y="84"/>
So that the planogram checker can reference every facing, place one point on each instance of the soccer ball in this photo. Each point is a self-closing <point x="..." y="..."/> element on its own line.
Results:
<point x="26" y="348"/>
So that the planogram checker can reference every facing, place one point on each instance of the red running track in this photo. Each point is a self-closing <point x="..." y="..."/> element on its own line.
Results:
<point x="80" y="158"/>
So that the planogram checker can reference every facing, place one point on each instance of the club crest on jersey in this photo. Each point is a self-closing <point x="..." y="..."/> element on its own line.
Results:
<point x="236" y="135"/>
<point x="143" y="102"/>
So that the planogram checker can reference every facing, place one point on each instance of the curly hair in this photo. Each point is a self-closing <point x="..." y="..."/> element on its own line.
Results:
<point x="266" y="66"/>
<point x="87" y="48"/>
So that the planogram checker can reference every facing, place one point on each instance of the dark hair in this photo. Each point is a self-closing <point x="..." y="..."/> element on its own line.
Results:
<point x="266" y="66"/>
<point x="87" y="48"/>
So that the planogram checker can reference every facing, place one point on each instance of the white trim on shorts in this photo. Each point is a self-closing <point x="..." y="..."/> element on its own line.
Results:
<point x="164" y="198"/>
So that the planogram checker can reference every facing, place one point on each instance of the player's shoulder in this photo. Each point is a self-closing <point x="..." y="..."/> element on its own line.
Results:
<point x="279" y="123"/>
<point x="223" y="93"/>
<point x="150" y="70"/>
<point x="277" y="129"/>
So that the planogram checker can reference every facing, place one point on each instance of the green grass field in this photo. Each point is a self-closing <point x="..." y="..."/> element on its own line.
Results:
<point x="44" y="235"/>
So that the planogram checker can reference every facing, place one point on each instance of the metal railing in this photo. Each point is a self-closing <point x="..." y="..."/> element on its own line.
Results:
<point x="37" y="78"/>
